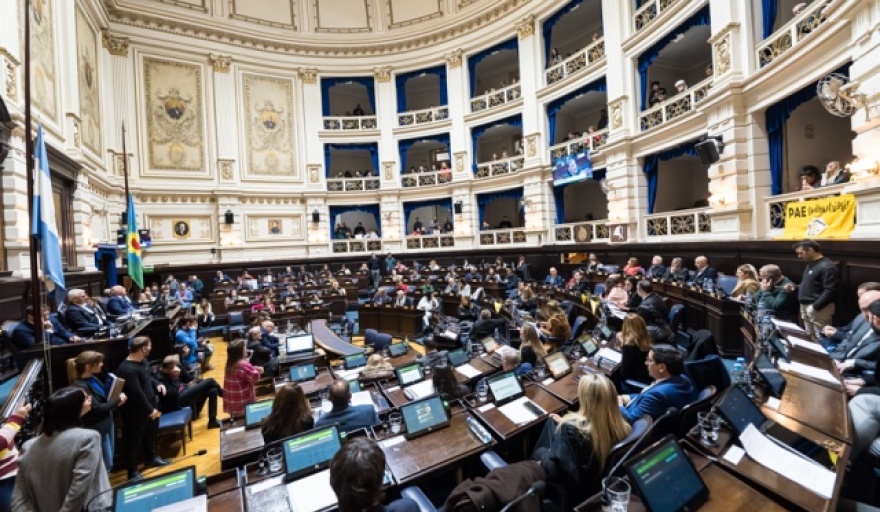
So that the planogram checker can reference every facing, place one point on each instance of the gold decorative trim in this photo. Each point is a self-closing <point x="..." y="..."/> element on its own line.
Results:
<point x="174" y="199"/>
<point x="615" y="108"/>
<point x="383" y="74"/>
<point x="236" y="16"/>
<point x="395" y="24"/>
<point x="453" y="59"/>
<point x="185" y="5"/>
<point x="355" y="30"/>
<point x="220" y="63"/>
<point x="526" y="27"/>
<point x="314" y="173"/>
<point x="532" y="145"/>
<point x="459" y="161"/>
<point x="11" y="80"/>
<point x="388" y="167"/>
<point x="309" y="76"/>
<point x="115" y="45"/>
<point x="226" y="169"/>
<point x="75" y="122"/>
<point x="721" y="55"/>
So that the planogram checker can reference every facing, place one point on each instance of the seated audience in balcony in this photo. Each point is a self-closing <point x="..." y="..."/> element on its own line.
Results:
<point x="811" y="178"/>
<point x="633" y="268"/>
<point x="358" y="110"/>
<point x="710" y="71"/>
<point x="360" y="230"/>
<point x="447" y="227"/>
<point x="654" y="95"/>
<point x="681" y="86"/>
<point x="505" y="223"/>
<point x="834" y="174"/>
<point x="417" y="225"/>
<point x="747" y="282"/>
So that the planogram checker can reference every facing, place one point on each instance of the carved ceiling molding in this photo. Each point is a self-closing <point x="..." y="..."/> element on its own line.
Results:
<point x="420" y="40"/>
<point x="308" y="75"/>
<point x="175" y="199"/>
<point x="220" y="63"/>
<point x="269" y="200"/>
<point x="116" y="45"/>
<point x="453" y="58"/>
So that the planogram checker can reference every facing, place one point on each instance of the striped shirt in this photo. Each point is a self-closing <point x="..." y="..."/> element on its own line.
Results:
<point x="8" y="451"/>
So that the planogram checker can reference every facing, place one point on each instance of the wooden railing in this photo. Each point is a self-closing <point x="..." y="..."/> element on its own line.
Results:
<point x="349" y="184"/>
<point x="351" y="123"/>
<point x="583" y="59"/>
<point x="503" y="236"/>
<point x="650" y="11"/>
<point x="674" y="107"/>
<point x="430" y="241"/>
<point x="356" y="246"/>
<point x="428" y="115"/>
<point x="426" y="179"/>
<point x="791" y="33"/>
<point x="496" y="98"/>
<point x="581" y="232"/>
<point x="499" y="167"/>
<point x="776" y="204"/>
<point x="592" y="141"/>
<point x="682" y="222"/>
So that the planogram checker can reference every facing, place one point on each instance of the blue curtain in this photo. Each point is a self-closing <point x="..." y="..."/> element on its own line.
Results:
<point x="551" y="21"/>
<point x="403" y="78"/>
<point x="555" y="106"/>
<point x="373" y="148"/>
<point x="652" y="165"/>
<point x="404" y="145"/>
<point x="329" y="83"/>
<point x="559" y="195"/>
<point x="648" y="56"/>
<point x="473" y="60"/>
<point x="769" y="8"/>
<point x="483" y="200"/>
<point x="408" y="208"/>
<point x="372" y="209"/>
<point x="776" y="117"/>
<point x="478" y="131"/>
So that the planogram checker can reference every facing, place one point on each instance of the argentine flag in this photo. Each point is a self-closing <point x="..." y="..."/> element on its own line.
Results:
<point x="43" y="227"/>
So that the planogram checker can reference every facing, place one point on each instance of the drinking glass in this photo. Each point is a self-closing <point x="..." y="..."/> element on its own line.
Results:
<point x="274" y="456"/>
<point x="710" y="423"/>
<point x="482" y="391"/>
<point x="395" y="419"/>
<point x="618" y="492"/>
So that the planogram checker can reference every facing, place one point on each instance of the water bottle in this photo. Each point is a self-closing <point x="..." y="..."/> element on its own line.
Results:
<point x="737" y="373"/>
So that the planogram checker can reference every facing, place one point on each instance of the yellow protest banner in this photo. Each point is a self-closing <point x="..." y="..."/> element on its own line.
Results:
<point x="829" y="217"/>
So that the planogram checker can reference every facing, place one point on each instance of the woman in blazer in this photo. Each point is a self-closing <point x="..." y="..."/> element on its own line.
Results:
<point x="83" y="372"/>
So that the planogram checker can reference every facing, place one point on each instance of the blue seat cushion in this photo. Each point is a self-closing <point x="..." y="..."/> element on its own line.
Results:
<point x="175" y="419"/>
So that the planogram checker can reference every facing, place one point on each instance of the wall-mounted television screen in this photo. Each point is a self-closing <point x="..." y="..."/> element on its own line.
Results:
<point x="572" y="168"/>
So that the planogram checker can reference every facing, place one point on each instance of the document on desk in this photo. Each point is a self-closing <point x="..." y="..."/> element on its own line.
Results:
<point x="363" y="398"/>
<point x="795" y="467"/>
<point x="468" y="371"/>
<point x="197" y="504"/>
<point x="810" y="371"/>
<point x="806" y="345"/>
<point x="610" y="354"/>
<point x="782" y="324"/>
<point x="517" y="412"/>
<point x="348" y="374"/>
<point x="311" y="493"/>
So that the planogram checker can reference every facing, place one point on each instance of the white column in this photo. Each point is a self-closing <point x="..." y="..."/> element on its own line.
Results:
<point x="531" y="72"/>
<point x="310" y="125"/>
<point x="118" y="105"/>
<point x="459" y="135"/>
<point x="733" y="41"/>
<point x="620" y="79"/>
<point x="628" y="192"/>
<point x="68" y="83"/>
<point x="386" y="113"/>
<point x="229" y="165"/>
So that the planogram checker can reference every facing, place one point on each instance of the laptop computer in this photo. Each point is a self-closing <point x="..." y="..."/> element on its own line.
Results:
<point x="424" y="416"/>
<point x="356" y="360"/>
<point x="397" y="349"/>
<point x="156" y="491"/>
<point x="300" y="344"/>
<point x="506" y="387"/>
<point x="412" y="381"/>
<point x="666" y="479"/>
<point x="302" y="373"/>
<point x="310" y="451"/>
<point x="558" y="365"/>
<point x="781" y="350"/>
<point x="458" y="357"/>
<point x="771" y="375"/>
<point x="255" y="413"/>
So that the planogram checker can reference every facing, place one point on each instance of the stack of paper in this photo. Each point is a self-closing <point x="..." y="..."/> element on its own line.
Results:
<point x="809" y="371"/>
<point x="806" y="344"/>
<point x="788" y="326"/>
<point x="363" y="398"/>
<point x="517" y="412"/>
<point x="348" y="374"/>
<point x="468" y="371"/>
<point x="311" y="493"/>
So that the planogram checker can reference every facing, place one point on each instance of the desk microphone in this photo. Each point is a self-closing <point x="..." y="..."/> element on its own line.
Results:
<point x="537" y="489"/>
<point x="607" y="501"/>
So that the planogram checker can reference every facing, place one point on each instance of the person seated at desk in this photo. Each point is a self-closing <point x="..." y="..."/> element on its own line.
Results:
<point x="573" y="449"/>
<point x="184" y="390"/>
<point x="658" y="328"/>
<point x="291" y="414"/>
<point x="511" y="280"/>
<point x="775" y="296"/>
<point x="630" y="284"/>
<point x="432" y="356"/>
<point x="221" y="277"/>
<point x="555" y="328"/>
<point x="553" y="279"/>
<point x="204" y="314"/>
<point x="401" y="300"/>
<point x="118" y="304"/>
<point x="239" y="380"/>
<point x="81" y="318"/>
<point x="335" y="289"/>
<point x="671" y="388"/>
<point x="381" y="297"/>
<point x="491" y="276"/>
<point x="261" y="355"/>
<point x="577" y="283"/>
<point x="24" y="336"/>
<point x="615" y="293"/>
<point x="527" y="302"/>
<point x="676" y="272"/>
<point x="356" y="474"/>
<point x="472" y="274"/>
<point x="510" y="361"/>
<point x="377" y="368"/>
<point x="430" y="304"/>
<point x="531" y="349"/>
<point x="657" y="269"/>
<point x="635" y="343"/>
<point x="834" y="336"/>
<point x="859" y="351"/>
<point x="348" y="417"/>
<point x="645" y="290"/>
<point x="185" y="296"/>
<point x="593" y="264"/>
<point x="632" y="268"/>
<point x="703" y="272"/>
<point x="451" y="286"/>
<point x="746" y="282"/>
<point x="486" y="325"/>
<point x="264" y="305"/>
<point x="426" y="287"/>
<point x="268" y="337"/>
<point x="467" y="310"/>
<point x="446" y="384"/>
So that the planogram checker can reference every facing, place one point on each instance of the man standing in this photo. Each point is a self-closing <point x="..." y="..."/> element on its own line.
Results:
<point x="375" y="266"/>
<point x="197" y="286"/>
<point x="818" y="289"/>
<point x="139" y="414"/>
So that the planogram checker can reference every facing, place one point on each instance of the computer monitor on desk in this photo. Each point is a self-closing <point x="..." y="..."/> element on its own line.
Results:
<point x="666" y="479"/>
<point x="156" y="492"/>
<point x="255" y="413"/>
<point x="310" y="451"/>
<point x="300" y="344"/>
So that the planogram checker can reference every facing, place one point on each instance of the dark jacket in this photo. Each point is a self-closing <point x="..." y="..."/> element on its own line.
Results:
<point x="568" y="458"/>
<point x="820" y="284"/>
<point x="707" y="273"/>
<point x="24" y="336"/>
<point x="483" y="328"/>
<point x="656" y="303"/>
<point x="139" y="389"/>
<point x="655" y="272"/>
<point x="632" y="364"/>
<point x="681" y="275"/>
<point x="170" y="401"/>
<point x="350" y="418"/>
<point x="781" y="303"/>
<point x="118" y="306"/>
<point x="100" y="416"/>
<point x="862" y="345"/>
<point x="272" y="436"/>
<point x="498" y="488"/>
<point x="81" y="320"/>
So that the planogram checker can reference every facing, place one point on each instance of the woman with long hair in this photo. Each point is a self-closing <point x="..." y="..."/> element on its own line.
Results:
<point x="531" y="349"/>
<point x="635" y="343"/>
<point x="377" y="368"/>
<point x="238" y="383"/>
<point x="631" y="285"/>
<point x="445" y="383"/>
<point x="556" y="328"/>
<point x="205" y="314"/>
<point x="747" y="282"/>
<point x="573" y="449"/>
<point x="291" y="414"/>
<point x="527" y="301"/>
<point x="62" y="468"/>
<point x="83" y="372"/>
<point x="615" y="292"/>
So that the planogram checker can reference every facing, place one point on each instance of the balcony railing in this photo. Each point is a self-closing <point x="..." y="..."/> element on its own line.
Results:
<point x="582" y="232"/>
<point x="428" y="115"/>
<point x="503" y="236"/>
<point x="351" y="123"/>
<point x="792" y="33"/>
<point x="430" y="242"/>
<point x="776" y="204"/>
<point x="351" y="184"/>
<point x="499" y="167"/>
<point x="495" y="98"/>
<point x="581" y="60"/>
<point x="683" y="222"/>
<point x="426" y="179"/>
<point x="674" y="107"/>
<point x="649" y="12"/>
<point x="356" y="246"/>
<point x="592" y="141"/>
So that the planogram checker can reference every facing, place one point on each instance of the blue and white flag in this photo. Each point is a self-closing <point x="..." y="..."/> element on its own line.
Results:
<point x="43" y="226"/>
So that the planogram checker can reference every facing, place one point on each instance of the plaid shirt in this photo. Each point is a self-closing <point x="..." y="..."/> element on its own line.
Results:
<point x="238" y="387"/>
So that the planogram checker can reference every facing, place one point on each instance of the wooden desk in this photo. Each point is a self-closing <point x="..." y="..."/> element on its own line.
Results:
<point x="329" y="341"/>
<point x="431" y="453"/>
<point x="398" y="322"/>
<point x="816" y="405"/>
<point x="322" y="381"/>
<point x="499" y="425"/>
<point x="408" y="358"/>
<point x="229" y="501"/>
<point x="238" y="446"/>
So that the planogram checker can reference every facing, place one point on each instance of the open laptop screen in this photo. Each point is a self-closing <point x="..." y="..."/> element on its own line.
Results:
<point x="302" y="372"/>
<point x="156" y="492"/>
<point x="458" y="357"/>
<point x="256" y="412"/>
<point x="666" y="478"/>
<point x="771" y="375"/>
<point x="300" y="343"/>
<point x="310" y="451"/>
<point x="557" y="364"/>
<point x="424" y="416"/>
<point x="397" y="349"/>
<point x="505" y="387"/>
<point x="409" y="374"/>
<point x="357" y="360"/>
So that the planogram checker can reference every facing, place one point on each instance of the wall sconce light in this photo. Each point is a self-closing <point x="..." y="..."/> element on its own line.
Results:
<point x="863" y="168"/>
<point x="229" y="217"/>
<point x="213" y="251"/>
<point x="316" y="216"/>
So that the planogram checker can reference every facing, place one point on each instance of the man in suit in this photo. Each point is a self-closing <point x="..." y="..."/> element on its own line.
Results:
<point x="432" y="356"/>
<point x="486" y="325"/>
<point x="401" y="300"/>
<point x="553" y="279"/>
<point x="24" y="335"/>
<point x="83" y="320"/>
<point x="833" y="336"/>
<point x="858" y="352"/>
<point x="118" y="304"/>
<point x="676" y="272"/>
<point x="349" y="417"/>
<point x="650" y="299"/>
<point x="657" y="269"/>
<point x="671" y="388"/>
<point x="356" y="474"/>
<point x="703" y="271"/>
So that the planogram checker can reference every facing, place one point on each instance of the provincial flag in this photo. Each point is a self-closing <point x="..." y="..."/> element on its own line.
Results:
<point x="133" y="246"/>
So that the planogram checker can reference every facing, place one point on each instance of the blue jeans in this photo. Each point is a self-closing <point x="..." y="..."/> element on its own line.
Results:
<point x="108" y="446"/>
<point x="6" y="486"/>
